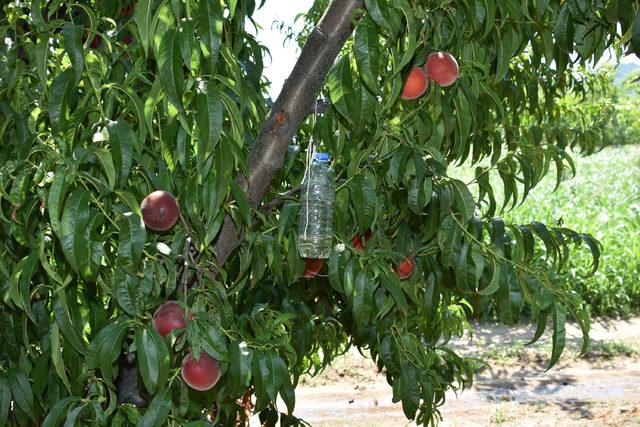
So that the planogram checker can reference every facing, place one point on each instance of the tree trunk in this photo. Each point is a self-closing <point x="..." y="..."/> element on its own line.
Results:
<point x="289" y="111"/>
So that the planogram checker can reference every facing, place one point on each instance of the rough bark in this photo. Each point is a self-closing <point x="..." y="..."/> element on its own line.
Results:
<point x="296" y="99"/>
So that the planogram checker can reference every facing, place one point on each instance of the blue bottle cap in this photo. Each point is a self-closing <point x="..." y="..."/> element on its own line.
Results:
<point x="322" y="157"/>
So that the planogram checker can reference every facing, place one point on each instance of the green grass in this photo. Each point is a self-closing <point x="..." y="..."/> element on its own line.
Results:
<point x="538" y="353"/>
<point x="603" y="200"/>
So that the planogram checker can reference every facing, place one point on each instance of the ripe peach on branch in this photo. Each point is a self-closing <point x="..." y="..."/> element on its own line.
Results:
<point x="200" y="374"/>
<point x="415" y="85"/>
<point x="160" y="210"/>
<point x="442" y="68"/>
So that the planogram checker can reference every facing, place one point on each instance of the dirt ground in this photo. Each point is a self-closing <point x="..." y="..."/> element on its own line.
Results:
<point x="514" y="390"/>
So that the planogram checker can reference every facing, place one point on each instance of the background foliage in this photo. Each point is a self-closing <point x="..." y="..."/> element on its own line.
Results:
<point x="104" y="101"/>
<point x="605" y="202"/>
<point x="602" y="198"/>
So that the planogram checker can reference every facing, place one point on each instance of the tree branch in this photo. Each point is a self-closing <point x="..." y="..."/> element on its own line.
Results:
<point x="296" y="100"/>
<point x="272" y="204"/>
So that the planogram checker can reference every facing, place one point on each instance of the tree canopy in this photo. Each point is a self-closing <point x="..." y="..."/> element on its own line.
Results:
<point x="104" y="102"/>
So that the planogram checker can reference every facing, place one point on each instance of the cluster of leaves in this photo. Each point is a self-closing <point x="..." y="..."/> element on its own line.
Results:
<point x="109" y="100"/>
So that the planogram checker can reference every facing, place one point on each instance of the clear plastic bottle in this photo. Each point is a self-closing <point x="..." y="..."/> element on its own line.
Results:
<point x="315" y="225"/>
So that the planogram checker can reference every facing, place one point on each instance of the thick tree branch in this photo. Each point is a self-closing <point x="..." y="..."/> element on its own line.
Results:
<point x="297" y="98"/>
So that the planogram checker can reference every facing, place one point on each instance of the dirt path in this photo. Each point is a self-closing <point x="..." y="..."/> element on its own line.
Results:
<point x="603" y="389"/>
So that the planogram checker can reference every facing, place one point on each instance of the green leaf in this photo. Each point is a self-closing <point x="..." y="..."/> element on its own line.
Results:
<point x="241" y="199"/>
<point x="611" y="11"/>
<point x="72" y="416"/>
<point x="270" y="371"/>
<point x="125" y="286"/>
<point x="106" y="161"/>
<point x="75" y="219"/>
<point x="132" y="238"/>
<point x="635" y="35"/>
<point x="391" y="284"/>
<point x="494" y="284"/>
<point x="363" y="190"/>
<point x="348" y="281"/>
<point x="56" y="356"/>
<point x="159" y="408"/>
<point x="209" y="119"/>
<point x="153" y="358"/>
<point x="463" y="112"/>
<point x="362" y="298"/>
<point x="144" y="20"/>
<point x="288" y="394"/>
<point x="60" y="97"/>
<point x="5" y="400"/>
<point x="138" y="106"/>
<point x="463" y="199"/>
<point x="63" y="318"/>
<point x="36" y="15"/>
<point x="494" y="97"/>
<point x="42" y="52"/>
<point x="153" y="96"/>
<point x="334" y="271"/>
<point x="449" y="240"/>
<point x="411" y="34"/>
<point x="564" y="29"/>
<point x="58" y="412"/>
<point x="584" y="320"/>
<point x="419" y="195"/>
<point x="367" y="52"/>
<point x="209" y="26"/>
<point x="122" y="140"/>
<point x="594" y="247"/>
<point x="214" y="342"/>
<point x="465" y="271"/>
<point x="72" y="42"/>
<point x="20" y="290"/>
<point x="559" y="316"/>
<point x="340" y="85"/>
<point x="21" y="391"/>
<point x="239" y="367"/>
<point x="379" y="12"/>
<point x="505" y="52"/>
<point x="410" y="390"/>
<point x="237" y="120"/>
<point x="541" y="325"/>
<point x="56" y="198"/>
<point x="625" y="10"/>
<point x="130" y="200"/>
<point x="105" y="348"/>
<point x="170" y="63"/>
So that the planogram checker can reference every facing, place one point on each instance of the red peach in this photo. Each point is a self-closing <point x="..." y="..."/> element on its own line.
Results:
<point x="160" y="210"/>
<point x="416" y="84"/>
<point x="168" y="316"/>
<point x="360" y="242"/>
<point x="312" y="267"/>
<point x="405" y="270"/>
<point x="200" y="374"/>
<point x="442" y="68"/>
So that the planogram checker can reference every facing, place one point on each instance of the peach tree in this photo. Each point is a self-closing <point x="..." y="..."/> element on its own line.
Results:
<point x="107" y="321"/>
